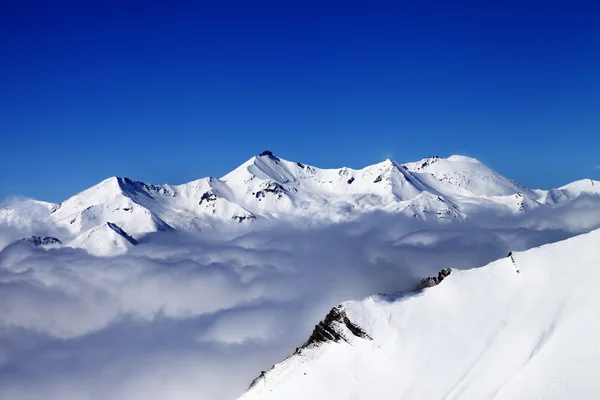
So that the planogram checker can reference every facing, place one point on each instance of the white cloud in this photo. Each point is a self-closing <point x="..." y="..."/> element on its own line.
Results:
<point x="188" y="318"/>
<point x="25" y="217"/>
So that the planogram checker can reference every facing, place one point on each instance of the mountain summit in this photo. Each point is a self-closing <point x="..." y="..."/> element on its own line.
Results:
<point x="267" y="187"/>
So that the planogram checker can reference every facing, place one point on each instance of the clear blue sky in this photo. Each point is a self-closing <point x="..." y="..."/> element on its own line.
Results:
<point x="171" y="93"/>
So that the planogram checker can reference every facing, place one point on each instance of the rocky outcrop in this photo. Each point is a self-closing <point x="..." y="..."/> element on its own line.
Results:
<point x="132" y="188"/>
<point x="209" y="197"/>
<point x="514" y="262"/>
<point x="121" y="232"/>
<point x="331" y="329"/>
<point x="334" y="328"/>
<point x="270" y="187"/>
<point x="242" y="218"/>
<point x="269" y="154"/>
<point x="434" y="280"/>
<point x="41" y="241"/>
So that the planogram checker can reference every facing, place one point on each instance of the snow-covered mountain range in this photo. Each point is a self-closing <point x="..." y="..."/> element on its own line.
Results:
<point x="111" y="216"/>
<point x="522" y="327"/>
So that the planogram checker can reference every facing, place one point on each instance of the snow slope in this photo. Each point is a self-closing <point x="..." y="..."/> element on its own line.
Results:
<point x="569" y="192"/>
<point x="112" y="200"/>
<point x="469" y="174"/>
<point x="273" y="188"/>
<point x="523" y="327"/>
<point x="267" y="187"/>
<point x="104" y="240"/>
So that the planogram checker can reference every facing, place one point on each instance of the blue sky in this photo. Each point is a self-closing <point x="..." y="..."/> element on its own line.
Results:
<point x="171" y="92"/>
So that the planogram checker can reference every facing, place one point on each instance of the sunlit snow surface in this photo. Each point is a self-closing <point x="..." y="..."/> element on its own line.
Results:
<point x="129" y="290"/>
<point x="267" y="189"/>
<point x="523" y="327"/>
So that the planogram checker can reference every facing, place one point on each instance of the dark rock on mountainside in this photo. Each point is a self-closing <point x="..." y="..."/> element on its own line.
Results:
<point x="433" y="280"/>
<point x="133" y="188"/>
<point x="208" y="197"/>
<point x="40" y="241"/>
<point x="269" y="154"/>
<point x="270" y="187"/>
<point x="121" y="232"/>
<point x="328" y="329"/>
<point x="242" y="218"/>
<point x="331" y="329"/>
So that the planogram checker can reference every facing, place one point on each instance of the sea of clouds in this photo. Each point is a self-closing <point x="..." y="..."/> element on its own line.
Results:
<point x="186" y="316"/>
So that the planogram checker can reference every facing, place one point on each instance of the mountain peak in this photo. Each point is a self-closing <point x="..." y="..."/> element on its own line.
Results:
<point x="459" y="158"/>
<point x="470" y="174"/>
<point x="269" y="154"/>
<point x="268" y="187"/>
<point x="582" y="186"/>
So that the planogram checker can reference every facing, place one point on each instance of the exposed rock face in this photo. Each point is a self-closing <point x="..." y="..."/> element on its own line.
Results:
<point x="269" y="154"/>
<point x="121" y="232"/>
<point x="40" y="241"/>
<point x="270" y="187"/>
<point x="328" y="329"/>
<point x="208" y="197"/>
<point x="433" y="280"/>
<point x="331" y="329"/>
<point x="136" y="188"/>
<point x="242" y="218"/>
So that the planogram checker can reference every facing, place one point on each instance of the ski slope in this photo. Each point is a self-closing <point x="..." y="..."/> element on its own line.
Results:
<point x="523" y="327"/>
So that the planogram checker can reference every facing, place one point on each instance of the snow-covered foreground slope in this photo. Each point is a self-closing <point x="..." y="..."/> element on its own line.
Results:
<point x="523" y="327"/>
<point x="268" y="188"/>
<point x="183" y="316"/>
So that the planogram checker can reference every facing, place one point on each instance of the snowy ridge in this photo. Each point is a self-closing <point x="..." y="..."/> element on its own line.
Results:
<point x="104" y="240"/>
<point x="470" y="174"/>
<point x="267" y="187"/>
<point x="568" y="192"/>
<point x="524" y="326"/>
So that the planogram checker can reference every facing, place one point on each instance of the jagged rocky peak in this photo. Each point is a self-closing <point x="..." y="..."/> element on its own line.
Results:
<point x="130" y="187"/>
<point x="433" y="280"/>
<point x="429" y="161"/>
<point x="417" y="166"/>
<point x="269" y="154"/>
<point x="331" y="329"/>
<point x="336" y="327"/>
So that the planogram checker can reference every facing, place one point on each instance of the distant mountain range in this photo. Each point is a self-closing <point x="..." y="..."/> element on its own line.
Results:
<point x="110" y="217"/>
